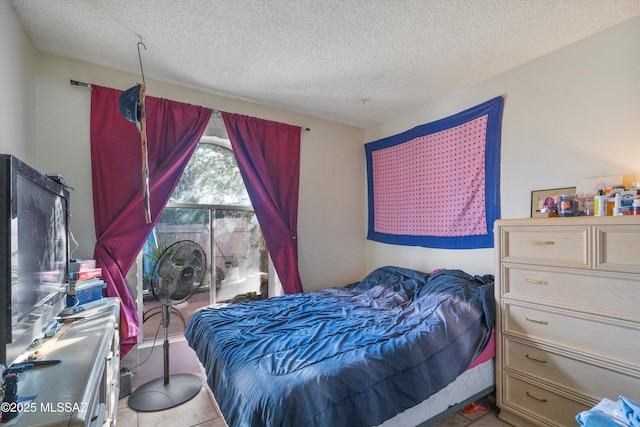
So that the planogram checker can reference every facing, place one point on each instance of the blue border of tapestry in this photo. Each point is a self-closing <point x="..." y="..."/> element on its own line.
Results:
<point x="493" y="110"/>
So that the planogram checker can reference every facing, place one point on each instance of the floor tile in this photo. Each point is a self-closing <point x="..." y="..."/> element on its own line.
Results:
<point x="126" y="416"/>
<point x="490" y="420"/>
<point x="454" y="420"/>
<point x="198" y="411"/>
<point x="213" y="423"/>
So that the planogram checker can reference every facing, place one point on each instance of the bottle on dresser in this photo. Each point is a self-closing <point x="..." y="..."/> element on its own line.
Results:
<point x="635" y="207"/>
<point x="600" y="204"/>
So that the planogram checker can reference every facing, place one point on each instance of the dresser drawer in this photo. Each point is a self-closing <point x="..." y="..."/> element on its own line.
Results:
<point x="542" y="404"/>
<point x="617" y="248"/>
<point x="566" y="246"/>
<point x="612" y="294"/>
<point x="580" y="333"/>
<point x="586" y="378"/>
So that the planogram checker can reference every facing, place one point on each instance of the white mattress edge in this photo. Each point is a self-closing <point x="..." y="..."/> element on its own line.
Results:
<point x="470" y="382"/>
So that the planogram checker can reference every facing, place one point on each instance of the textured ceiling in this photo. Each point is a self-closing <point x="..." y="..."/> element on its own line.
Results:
<point x="357" y="62"/>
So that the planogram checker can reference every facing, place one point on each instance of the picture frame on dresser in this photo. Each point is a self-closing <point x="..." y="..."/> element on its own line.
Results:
<point x="547" y="198"/>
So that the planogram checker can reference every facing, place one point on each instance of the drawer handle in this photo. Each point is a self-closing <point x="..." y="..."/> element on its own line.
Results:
<point x="535" y="396"/>
<point x="543" y="242"/>
<point x="535" y="358"/>
<point x="542" y="322"/>
<point x="536" y="281"/>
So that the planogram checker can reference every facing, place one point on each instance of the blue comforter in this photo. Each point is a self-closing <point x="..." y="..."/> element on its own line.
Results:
<point x="352" y="356"/>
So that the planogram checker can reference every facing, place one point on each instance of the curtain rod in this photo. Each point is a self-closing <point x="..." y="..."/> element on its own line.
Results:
<point x="77" y="83"/>
<point x="82" y="84"/>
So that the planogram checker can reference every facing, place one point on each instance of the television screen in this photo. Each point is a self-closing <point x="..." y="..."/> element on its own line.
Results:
<point x="34" y="254"/>
<point x="41" y="249"/>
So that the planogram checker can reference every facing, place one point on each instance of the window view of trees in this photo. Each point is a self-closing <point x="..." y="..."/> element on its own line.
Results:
<point x="212" y="178"/>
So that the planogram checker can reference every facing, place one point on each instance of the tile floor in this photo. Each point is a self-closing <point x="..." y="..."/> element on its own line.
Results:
<point x="202" y="410"/>
<point x="479" y="419"/>
<point x="199" y="411"/>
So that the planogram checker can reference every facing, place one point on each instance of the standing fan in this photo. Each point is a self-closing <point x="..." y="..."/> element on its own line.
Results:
<point x="176" y="276"/>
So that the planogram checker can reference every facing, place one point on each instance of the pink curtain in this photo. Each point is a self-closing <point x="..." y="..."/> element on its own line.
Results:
<point x="173" y="131"/>
<point x="268" y="155"/>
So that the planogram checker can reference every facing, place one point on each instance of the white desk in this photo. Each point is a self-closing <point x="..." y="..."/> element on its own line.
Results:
<point x="83" y="389"/>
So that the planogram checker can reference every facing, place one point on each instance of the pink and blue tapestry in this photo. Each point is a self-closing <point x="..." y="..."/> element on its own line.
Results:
<point x="438" y="185"/>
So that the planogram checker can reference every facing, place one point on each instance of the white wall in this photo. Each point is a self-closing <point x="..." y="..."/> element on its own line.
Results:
<point x="331" y="251"/>
<point x="17" y="89"/>
<point x="572" y="114"/>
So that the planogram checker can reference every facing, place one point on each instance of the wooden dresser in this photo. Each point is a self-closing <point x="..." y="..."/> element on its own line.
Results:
<point x="568" y="316"/>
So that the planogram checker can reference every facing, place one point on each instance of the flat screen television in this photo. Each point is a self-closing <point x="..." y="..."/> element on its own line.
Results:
<point x="34" y="254"/>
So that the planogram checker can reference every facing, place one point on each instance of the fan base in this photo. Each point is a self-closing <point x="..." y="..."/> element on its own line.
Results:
<point x="156" y="396"/>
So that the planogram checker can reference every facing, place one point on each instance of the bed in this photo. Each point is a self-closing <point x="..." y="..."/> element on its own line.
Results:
<point x="357" y="355"/>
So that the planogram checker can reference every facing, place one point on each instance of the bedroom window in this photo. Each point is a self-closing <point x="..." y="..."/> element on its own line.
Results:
<point x="210" y="206"/>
